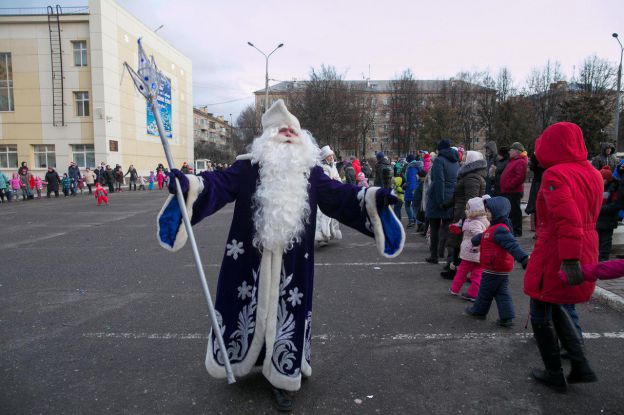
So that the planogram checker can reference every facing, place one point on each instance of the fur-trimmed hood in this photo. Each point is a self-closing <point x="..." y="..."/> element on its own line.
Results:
<point x="473" y="167"/>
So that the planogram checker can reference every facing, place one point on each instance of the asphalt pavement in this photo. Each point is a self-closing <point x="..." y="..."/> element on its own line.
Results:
<point x="95" y="317"/>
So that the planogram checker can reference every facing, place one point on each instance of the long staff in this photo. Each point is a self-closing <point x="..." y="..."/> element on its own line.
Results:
<point x="147" y="80"/>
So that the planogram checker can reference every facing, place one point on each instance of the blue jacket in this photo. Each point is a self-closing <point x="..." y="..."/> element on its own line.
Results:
<point x="412" y="180"/>
<point x="443" y="178"/>
<point x="4" y="181"/>
<point x="500" y="208"/>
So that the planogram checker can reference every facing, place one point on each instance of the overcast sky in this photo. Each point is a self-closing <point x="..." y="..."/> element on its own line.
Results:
<point x="434" y="39"/>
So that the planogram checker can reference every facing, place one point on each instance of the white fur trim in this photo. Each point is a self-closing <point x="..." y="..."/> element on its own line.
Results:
<point x="247" y="156"/>
<point x="245" y="366"/>
<point x="371" y="208"/>
<point x="289" y="383"/>
<point x="196" y="186"/>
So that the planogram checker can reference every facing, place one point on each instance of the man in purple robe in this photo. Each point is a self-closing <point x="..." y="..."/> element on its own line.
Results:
<point x="264" y="291"/>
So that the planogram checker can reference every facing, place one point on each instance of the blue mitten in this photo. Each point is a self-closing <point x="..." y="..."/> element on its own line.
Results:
<point x="184" y="183"/>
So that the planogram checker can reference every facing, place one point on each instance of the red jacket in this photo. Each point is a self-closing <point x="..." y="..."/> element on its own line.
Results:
<point x="568" y="204"/>
<point x="494" y="257"/>
<point x="514" y="175"/>
<point x="356" y="166"/>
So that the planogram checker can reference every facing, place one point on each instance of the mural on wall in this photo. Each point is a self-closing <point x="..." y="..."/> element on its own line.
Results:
<point x="164" y="100"/>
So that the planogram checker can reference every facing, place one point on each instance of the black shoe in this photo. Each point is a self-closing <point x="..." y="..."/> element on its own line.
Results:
<point x="571" y="340"/>
<point x="548" y="345"/>
<point x="466" y="297"/>
<point x="581" y="374"/>
<point x="554" y="380"/>
<point x="506" y="322"/>
<point x="410" y="224"/>
<point x="432" y="260"/>
<point x="283" y="400"/>
<point x="471" y="313"/>
<point x="448" y="275"/>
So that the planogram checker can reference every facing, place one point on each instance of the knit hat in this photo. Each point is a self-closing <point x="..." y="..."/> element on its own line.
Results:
<point x="278" y="117"/>
<point x="517" y="146"/>
<point x="475" y="207"/>
<point x="380" y="155"/>
<point x="326" y="151"/>
<point x="443" y="144"/>
<point x="606" y="174"/>
<point x="410" y="158"/>
<point x="503" y="151"/>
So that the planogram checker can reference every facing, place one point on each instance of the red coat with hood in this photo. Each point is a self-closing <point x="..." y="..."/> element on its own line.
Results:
<point x="357" y="167"/>
<point x="514" y="175"/>
<point x="568" y="204"/>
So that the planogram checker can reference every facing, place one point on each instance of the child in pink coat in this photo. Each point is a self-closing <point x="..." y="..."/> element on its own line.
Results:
<point x="361" y="180"/>
<point x="476" y="223"/>
<point x="607" y="270"/>
<point x="160" y="178"/>
<point x="38" y="186"/>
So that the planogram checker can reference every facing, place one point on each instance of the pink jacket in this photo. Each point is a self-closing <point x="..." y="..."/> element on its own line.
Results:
<point x="607" y="270"/>
<point x="472" y="227"/>
<point x="16" y="183"/>
<point x="361" y="180"/>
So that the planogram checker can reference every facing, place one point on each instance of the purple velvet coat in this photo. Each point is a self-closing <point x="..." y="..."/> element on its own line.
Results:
<point x="264" y="303"/>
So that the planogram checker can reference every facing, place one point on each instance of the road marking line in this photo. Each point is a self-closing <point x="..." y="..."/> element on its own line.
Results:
<point x="325" y="337"/>
<point x="347" y="264"/>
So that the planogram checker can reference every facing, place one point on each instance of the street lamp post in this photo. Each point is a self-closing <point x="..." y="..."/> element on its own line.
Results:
<point x="266" y="77"/>
<point x="618" y="103"/>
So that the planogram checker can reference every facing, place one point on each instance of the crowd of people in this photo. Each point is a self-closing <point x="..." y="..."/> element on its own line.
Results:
<point x="469" y="206"/>
<point x="29" y="186"/>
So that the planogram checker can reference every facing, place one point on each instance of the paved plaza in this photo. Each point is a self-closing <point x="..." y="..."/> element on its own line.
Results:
<point x="98" y="318"/>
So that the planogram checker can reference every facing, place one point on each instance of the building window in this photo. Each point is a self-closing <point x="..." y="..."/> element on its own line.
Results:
<point x="6" y="83"/>
<point x="113" y="146"/>
<point x="82" y="104"/>
<point x="8" y="156"/>
<point x="80" y="52"/>
<point x="84" y="155"/>
<point x="45" y="156"/>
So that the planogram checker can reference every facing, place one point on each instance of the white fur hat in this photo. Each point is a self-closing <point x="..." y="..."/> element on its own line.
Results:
<point x="471" y="156"/>
<point x="475" y="205"/>
<point x="278" y="117"/>
<point x="326" y="151"/>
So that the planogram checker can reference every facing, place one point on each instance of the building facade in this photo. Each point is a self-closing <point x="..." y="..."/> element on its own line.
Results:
<point x="64" y="95"/>
<point x="208" y="128"/>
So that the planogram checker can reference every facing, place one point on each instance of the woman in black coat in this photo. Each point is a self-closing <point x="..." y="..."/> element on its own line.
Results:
<point x="52" y="181"/>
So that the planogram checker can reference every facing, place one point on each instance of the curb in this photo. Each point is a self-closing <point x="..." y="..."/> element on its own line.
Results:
<point x="607" y="297"/>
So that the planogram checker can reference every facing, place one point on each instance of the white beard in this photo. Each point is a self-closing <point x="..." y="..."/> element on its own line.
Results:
<point x="281" y="205"/>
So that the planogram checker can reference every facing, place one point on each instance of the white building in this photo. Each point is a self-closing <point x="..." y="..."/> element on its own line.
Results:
<point x="64" y="95"/>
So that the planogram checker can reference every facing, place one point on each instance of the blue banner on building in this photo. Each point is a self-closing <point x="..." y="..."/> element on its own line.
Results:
<point x="164" y="100"/>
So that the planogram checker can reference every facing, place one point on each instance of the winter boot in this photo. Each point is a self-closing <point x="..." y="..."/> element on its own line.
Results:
<point x="568" y="335"/>
<point x="548" y="346"/>
<point x="283" y="400"/>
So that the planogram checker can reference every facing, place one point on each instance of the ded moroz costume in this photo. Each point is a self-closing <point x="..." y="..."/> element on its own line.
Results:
<point x="264" y="291"/>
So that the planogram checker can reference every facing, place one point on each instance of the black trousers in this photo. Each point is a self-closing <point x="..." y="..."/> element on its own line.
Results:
<point x="50" y="191"/>
<point x="605" y="240"/>
<point x="439" y="232"/>
<point x="516" y="212"/>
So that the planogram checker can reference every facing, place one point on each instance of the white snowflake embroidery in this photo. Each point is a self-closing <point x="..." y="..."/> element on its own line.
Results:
<point x="244" y="290"/>
<point x="306" y="256"/>
<point x="295" y="297"/>
<point x="234" y="249"/>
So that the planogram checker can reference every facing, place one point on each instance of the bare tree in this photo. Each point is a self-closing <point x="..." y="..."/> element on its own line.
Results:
<point x="322" y="105"/>
<point x="596" y="76"/>
<point x="405" y="112"/>
<point x="247" y="128"/>
<point x="362" y="111"/>
<point x="546" y="95"/>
